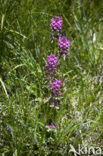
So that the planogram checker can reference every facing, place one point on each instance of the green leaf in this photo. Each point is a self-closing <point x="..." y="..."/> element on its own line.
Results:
<point x="15" y="153"/>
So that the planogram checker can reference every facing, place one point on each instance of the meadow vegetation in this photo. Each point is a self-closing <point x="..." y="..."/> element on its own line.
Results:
<point x="25" y="44"/>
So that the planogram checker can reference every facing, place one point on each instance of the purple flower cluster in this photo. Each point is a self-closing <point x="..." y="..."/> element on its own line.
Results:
<point x="56" y="24"/>
<point x="54" y="104"/>
<point x="63" y="46"/>
<point x="50" y="67"/>
<point x="52" y="60"/>
<point x="55" y="88"/>
<point x="63" y="43"/>
<point x="50" y="126"/>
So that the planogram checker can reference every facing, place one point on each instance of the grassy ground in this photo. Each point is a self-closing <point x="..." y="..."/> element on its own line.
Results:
<point x="25" y="43"/>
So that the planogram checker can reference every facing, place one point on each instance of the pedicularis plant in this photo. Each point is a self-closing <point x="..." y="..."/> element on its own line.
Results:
<point x="52" y="61"/>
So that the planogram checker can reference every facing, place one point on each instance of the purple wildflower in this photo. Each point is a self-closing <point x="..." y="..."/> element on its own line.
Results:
<point x="56" y="24"/>
<point x="50" y="126"/>
<point x="8" y="128"/>
<point x="63" y="46"/>
<point x="54" y="104"/>
<point x="63" y="43"/>
<point x="50" y="67"/>
<point x="84" y="128"/>
<point x="75" y="132"/>
<point x="55" y="88"/>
